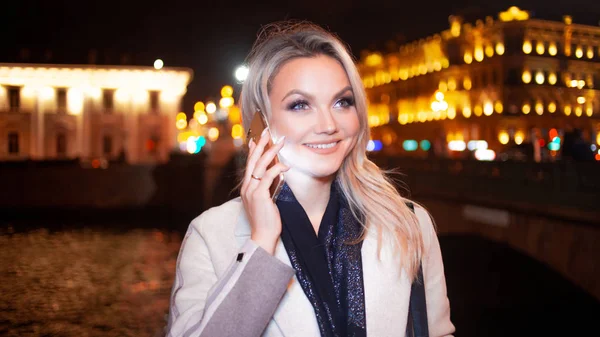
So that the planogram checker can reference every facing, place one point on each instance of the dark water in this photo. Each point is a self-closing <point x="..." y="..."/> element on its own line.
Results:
<point x="110" y="281"/>
<point x="497" y="291"/>
<point x="86" y="282"/>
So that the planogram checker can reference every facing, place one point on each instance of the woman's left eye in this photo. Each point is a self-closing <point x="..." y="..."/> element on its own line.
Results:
<point x="298" y="105"/>
<point x="344" y="102"/>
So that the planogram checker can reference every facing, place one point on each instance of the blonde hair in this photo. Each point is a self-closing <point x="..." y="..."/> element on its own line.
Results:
<point x="372" y="197"/>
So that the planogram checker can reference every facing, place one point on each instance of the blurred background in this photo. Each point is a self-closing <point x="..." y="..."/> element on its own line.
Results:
<point x="119" y="123"/>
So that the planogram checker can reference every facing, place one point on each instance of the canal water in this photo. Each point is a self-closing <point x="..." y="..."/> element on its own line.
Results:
<point x="86" y="282"/>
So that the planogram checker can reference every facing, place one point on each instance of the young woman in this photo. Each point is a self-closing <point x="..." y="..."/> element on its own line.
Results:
<point x="338" y="251"/>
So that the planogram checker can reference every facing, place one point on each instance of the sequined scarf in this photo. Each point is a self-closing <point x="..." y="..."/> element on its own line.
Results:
<point x="328" y="268"/>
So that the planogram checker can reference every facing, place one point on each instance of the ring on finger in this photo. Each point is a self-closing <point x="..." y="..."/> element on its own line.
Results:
<point x="255" y="177"/>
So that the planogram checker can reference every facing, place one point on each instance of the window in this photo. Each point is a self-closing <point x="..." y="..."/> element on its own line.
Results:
<point x="513" y="77"/>
<point x="61" y="144"/>
<point x="495" y="75"/>
<point x="13" y="143"/>
<point x="485" y="79"/>
<point x="14" y="98"/>
<point x="107" y="100"/>
<point x="154" y="102"/>
<point x="476" y="80"/>
<point x="61" y="100"/>
<point x="107" y="145"/>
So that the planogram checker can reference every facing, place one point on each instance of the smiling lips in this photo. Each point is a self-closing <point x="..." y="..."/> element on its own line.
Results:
<point x="323" y="148"/>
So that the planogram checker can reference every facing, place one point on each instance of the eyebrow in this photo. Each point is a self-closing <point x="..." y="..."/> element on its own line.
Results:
<point x="309" y="96"/>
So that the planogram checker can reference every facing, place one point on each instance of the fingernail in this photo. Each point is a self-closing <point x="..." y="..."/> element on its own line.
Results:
<point x="280" y="140"/>
<point x="264" y="132"/>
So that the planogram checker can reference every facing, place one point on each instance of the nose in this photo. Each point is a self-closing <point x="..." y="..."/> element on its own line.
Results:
<point x="325" y="122"/>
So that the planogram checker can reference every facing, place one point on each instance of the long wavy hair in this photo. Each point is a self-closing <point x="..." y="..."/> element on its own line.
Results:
<point x="371" y="195"/>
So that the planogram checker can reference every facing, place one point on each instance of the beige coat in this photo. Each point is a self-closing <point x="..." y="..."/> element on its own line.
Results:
<point x="226" y="285"/>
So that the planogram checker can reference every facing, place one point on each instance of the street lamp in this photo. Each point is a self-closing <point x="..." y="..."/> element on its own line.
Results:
<point x="158" y="64"/>
<point x="211" y="107"/>
<point x="241" y="73"/>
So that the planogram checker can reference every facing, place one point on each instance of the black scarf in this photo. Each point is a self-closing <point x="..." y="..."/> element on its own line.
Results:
<point x="327" y="266"/>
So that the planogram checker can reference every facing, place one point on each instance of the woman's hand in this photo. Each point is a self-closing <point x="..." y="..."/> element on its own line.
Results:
<point x="262" y="212"/>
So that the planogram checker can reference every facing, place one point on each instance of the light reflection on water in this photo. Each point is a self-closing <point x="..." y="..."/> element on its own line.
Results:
<point x="86" y="282"/>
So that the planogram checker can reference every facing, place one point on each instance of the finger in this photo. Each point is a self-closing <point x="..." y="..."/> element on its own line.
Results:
<point x="251" y="146"/>
<point x="262" y="165"/>
<point x="256" y="153"/>
<point x="253" y="157"/>
<point x="268" y="178"/>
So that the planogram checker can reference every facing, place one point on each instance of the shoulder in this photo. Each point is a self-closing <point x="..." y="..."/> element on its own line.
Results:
<point x="426" y="224"/>
<point x="219" y="218"/>
<point x="425" y="219"/>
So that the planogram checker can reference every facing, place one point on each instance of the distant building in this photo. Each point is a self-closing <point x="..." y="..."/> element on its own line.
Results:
<point x="509" y="82"/>
<point x="51" y="111"/>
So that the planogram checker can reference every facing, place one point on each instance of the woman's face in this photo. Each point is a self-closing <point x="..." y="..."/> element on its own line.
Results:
<point x="312" y="104"/>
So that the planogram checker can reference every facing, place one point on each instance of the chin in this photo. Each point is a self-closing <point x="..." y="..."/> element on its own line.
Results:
<point x="324" y="174"/>
<point x="323" y="170"/>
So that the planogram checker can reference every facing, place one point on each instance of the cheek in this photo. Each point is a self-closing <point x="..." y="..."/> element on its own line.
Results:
<point x="351" y="126"/>
<point x="294" y="129"/>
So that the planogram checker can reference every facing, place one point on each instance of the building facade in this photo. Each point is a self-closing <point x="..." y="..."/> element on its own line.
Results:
<point x="89" y="112"/>
<point x="504" y="83"/>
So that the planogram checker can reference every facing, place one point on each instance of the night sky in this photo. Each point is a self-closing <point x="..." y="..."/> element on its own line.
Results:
<point x="213" y="37"/>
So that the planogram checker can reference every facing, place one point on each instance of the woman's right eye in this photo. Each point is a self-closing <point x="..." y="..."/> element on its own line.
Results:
<point x="298" y="105"/>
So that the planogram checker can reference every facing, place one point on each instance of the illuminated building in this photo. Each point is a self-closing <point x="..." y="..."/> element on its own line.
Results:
<point x="89" y="112"/>
<point x="506" y="81"/>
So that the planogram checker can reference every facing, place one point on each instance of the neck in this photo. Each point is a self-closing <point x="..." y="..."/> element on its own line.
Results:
<point x="311" y="193"/>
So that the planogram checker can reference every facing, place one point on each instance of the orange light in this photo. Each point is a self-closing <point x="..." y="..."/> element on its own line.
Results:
<point x="500" y="48"/>
<point x="552" y="133"/>
<point x="468" y="57"/>
<point x="526" y="77"/>
<point x="503" y="137"/>
<point x="181" y="124"/>
<point x="199" y="106"/>
<point x="226" y="91"/>
<point x="527" y="47"/>
<point x="237" y="131"/>
<point x="150" y="145"/>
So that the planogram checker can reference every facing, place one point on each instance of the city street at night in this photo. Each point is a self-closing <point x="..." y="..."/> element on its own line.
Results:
<point x="121" y="122"/>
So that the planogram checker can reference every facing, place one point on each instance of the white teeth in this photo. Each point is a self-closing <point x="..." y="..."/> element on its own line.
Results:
<point x="322" y="146"/>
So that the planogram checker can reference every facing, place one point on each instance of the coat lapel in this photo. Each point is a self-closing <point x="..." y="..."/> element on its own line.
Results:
<point x="295" y="315"/>
<point x="387" y="290"/>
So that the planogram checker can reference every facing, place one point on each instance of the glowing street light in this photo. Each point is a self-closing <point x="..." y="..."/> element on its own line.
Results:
<point x="227" y="91"/>
<point x="199" y="106"/>
<point x="211" y="108"/>
<point x="226" y="102"/>
<point x="158" y="64"/>
<point x="181" y="124"/>
<point x="213" y="134"/>
<point x="241" y="73"/>
<point x="201" y="117"/>
<point x="237" y="131"/>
